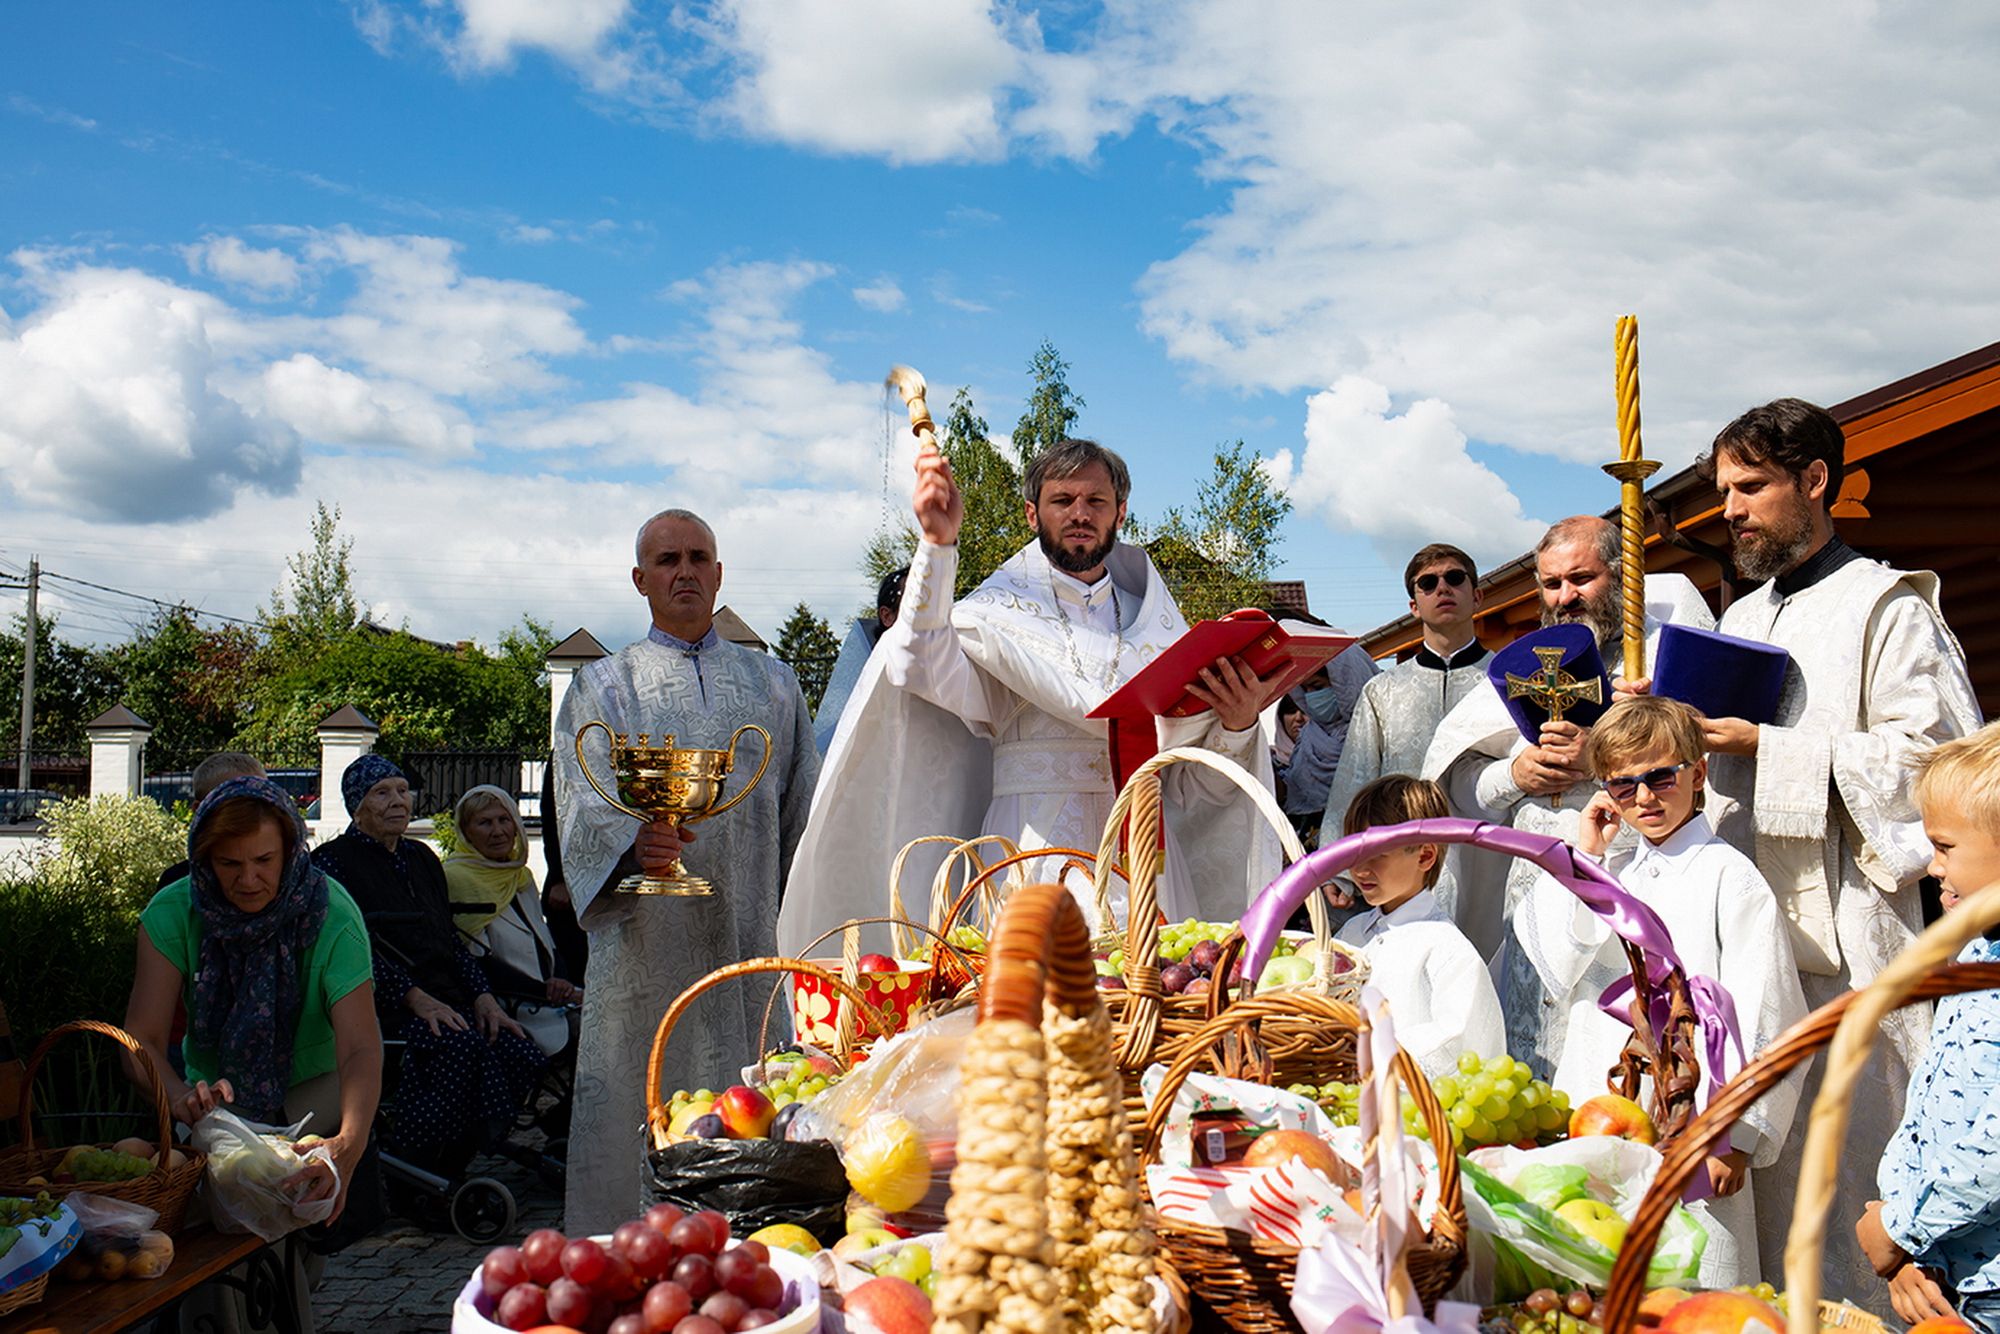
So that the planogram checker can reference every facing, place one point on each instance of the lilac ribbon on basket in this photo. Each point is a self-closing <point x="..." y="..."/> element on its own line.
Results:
<point x="1596" y="887"/>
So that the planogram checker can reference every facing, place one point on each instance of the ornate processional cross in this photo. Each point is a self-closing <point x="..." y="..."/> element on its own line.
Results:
<point x="1553" y="689"/>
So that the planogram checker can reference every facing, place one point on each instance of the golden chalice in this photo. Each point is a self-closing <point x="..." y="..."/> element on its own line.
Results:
<point x="669" y="782"/>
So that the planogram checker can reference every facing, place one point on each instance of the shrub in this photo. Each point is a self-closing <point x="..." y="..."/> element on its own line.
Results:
<point x="70" y="917"/>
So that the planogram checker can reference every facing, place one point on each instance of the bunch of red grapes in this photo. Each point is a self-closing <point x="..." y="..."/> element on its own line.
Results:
<point x="665" y="1273"/>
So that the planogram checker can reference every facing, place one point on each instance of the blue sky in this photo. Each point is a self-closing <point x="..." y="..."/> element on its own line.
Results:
<point x="500" y="277"/>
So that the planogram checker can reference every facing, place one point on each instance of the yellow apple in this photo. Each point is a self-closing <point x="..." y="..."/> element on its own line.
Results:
<point x="1596" y="1220"/>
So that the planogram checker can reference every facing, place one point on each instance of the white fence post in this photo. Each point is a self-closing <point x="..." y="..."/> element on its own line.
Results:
<point x="117" y="747"/>
<point x="345" y="735"/>
<point x="565" y="660"/>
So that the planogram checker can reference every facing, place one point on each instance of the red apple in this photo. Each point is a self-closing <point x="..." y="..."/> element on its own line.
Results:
<point x="745" y="1112"/>
<point x="889" y="1306"/>
<point x="878" y="963"/>
<point x="1719" y="1313"/>
<point x="1609" y="1114"/>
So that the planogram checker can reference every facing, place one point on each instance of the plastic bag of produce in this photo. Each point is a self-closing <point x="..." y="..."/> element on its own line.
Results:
<point x="753" y="1183"/>
<point x="248" y="1166"/>
<point x="1560" y="1213"/>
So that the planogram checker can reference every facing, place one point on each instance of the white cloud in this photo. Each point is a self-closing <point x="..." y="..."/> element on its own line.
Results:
<point x="334" y="406"/>
<point x="69" y="120"/>
<point x="529" y="234"/>
<point x="1460" y="206"/>
<point x="1401" y="481"/>
<point x="911" y="80"/>
<point x="112" y="405"/>
<point x="417" y="316"/>
<point x="881" y="295"/>
<point x="592" y="38"/>
<point x="264" y="272"/>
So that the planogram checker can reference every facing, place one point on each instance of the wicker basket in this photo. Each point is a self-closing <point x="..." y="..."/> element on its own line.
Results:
<point x="1709" y="1131"/>
<point x="657" y="1116"/>
<point x="165" y="1190"/>
<point x="1247" y="1280"/>
<point x="27" y="1294"/>
<point x="979" y="900"/>
<point x="1151" y="1025"/>
<point x="956" y="971"/>
<point x="897" y="1010"/>
<point x="1666" y="1030"/>
<point x="1046" y="1217"/>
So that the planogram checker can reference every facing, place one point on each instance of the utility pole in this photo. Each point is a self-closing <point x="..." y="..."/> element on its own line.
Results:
<point x="28" y="672"/>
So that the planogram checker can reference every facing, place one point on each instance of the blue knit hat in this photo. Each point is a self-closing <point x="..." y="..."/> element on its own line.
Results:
<point x="363" y="775"/>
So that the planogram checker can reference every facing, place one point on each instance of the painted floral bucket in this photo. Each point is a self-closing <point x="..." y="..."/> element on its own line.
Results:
<point x="818" y="1013"/>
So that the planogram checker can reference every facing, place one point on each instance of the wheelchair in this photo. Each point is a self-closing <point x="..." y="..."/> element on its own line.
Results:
<point x="481" y="1208"/>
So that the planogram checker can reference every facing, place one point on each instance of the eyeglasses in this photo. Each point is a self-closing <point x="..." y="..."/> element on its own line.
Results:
<point x="1427" y="583"/>
<point x="1624" y="787"/>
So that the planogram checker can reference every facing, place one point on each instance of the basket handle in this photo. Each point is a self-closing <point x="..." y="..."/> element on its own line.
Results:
<point x="778" y="988"/>
<point x="1826" y="1131"/>
<point x="941" y="896"/>
<point x="656" y="1112"/>
<point x="1139" y="805"/>
<point x="897" y="908"/>
<point x="1681" y="1159"/>
<point x="981" y="884"/>
<point x="1446" y="1223"/>
<point x="162" y="1110"/>
<point x="1040" y="951"/>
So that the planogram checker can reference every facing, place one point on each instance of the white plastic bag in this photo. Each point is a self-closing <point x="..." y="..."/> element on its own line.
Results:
<point x="247" y="1166"/>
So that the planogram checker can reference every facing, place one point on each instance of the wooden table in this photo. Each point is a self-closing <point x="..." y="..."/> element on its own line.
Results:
<point x="200" y="1255"/>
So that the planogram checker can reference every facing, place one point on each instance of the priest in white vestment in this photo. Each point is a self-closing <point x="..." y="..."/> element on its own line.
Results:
<point x="1820" y="796"/>
<point x="1491" y="772"/>
<point x="971" y="719"/>
<point x="646" y="949"/>
<point x="1724" y="924"/>
<point x="1400" y="711"/>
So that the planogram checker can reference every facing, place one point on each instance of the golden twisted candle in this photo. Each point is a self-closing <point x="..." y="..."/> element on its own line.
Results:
<point x="1631" y="470"/>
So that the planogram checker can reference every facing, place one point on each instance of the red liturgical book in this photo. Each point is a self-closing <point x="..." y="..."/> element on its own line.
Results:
<point x="1160" y="690"/>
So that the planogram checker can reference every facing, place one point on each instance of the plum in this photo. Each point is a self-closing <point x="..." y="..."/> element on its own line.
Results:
<point x="1202" y="958"/>
<point x="1175" y="977"/>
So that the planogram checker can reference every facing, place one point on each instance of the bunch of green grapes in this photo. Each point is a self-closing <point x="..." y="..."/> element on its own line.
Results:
<point x="967" y="937"/>
<point x="790" y="1079"/>
<point x="1497" y="1100"/>
<point x="106" y="1165"/>
<point x="1764" y="1292"/>
<point x="1341" y="1102"/>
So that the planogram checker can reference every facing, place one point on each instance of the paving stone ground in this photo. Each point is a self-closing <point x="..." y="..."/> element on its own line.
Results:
<point x="403" y="1277"/>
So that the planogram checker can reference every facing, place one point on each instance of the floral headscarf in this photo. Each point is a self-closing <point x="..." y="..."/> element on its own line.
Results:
<point x="246" y="991"/>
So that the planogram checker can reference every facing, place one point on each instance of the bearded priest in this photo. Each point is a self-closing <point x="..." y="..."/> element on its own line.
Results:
<point x="1820" y="796"/>
<point x="972" y="719"/>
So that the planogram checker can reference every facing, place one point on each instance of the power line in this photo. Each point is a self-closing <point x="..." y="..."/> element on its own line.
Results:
<point x="141" y="597"/>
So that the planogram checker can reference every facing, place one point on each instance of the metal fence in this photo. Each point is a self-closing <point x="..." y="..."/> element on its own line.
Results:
<point x="441" y="777"/>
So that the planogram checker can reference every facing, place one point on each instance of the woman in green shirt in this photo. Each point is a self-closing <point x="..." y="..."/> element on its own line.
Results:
<point x="271" y="959"/>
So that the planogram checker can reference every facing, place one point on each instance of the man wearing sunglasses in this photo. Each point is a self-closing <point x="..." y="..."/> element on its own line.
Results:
<point x="1400" y="709"/>
<point x="1820" y="795"/>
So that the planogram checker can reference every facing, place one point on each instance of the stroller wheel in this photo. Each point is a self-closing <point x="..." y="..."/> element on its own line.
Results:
<point x="482" y="1210"/>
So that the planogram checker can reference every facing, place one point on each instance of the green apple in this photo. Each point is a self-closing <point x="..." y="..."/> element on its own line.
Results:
<point x="860" y="1220"/>
<point x="1595" y="1220"/>
<point x="1290" y="971"/>
<point x="912" y="1262"/>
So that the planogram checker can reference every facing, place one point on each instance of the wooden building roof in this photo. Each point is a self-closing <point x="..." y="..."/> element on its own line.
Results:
<point x="1922" y="492"/>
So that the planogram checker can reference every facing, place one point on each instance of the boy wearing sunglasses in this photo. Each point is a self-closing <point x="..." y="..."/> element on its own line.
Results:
<point x="1651" y="769"/>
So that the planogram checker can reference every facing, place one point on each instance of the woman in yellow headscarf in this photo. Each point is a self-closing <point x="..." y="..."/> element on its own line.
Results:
<point x="495" y="905"/>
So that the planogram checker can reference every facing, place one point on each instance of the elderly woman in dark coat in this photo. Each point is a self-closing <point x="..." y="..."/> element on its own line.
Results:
<point x="467" y="1067"/>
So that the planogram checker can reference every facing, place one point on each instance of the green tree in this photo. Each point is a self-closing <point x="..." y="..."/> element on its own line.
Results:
<point x="807" y="644"/>
<point x="1217" y="557"/>
<point x="191" y="682"/>
<point x="1053" y="407"/>
<point x="73" y="684"/>
<point x="315" y="603"/>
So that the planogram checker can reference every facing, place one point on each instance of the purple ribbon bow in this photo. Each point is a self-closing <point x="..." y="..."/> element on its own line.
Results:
<point x="1595" y="886"/>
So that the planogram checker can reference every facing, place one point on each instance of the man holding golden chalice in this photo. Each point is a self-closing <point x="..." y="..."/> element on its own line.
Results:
<point x="685" y="682"/>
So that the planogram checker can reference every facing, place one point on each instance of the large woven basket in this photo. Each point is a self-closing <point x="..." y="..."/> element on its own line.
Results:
<point x="1153" y="1027"/>
<point x="657" y="1115"/>
<point x="1665" y="1035"/>
<point x="1905" y="979"/>
<point x="1046" y="1218"/>
<point x="957" y="970"/>
<point x="1246" y="1280"/>
<point x="165" y="1190"/>
<point x="1710" y="1132"/>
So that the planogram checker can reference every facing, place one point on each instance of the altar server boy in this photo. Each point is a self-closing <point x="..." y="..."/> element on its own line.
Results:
<point x="1651" y="767"/>
<point x="1935" y="1233"/>
<point x="1437" y="985"/>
